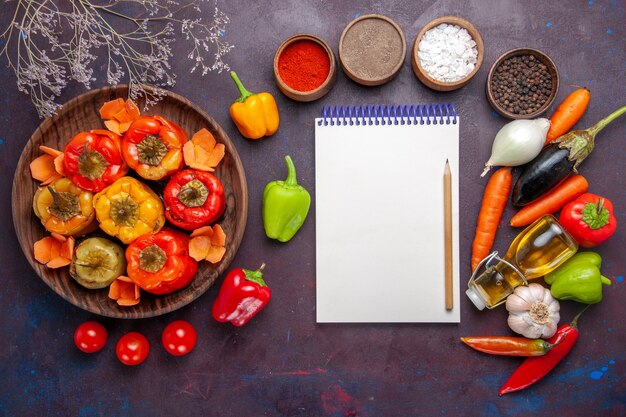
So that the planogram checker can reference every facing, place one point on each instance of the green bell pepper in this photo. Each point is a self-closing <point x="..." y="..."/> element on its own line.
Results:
<point x="285" y="206"/>
<point x="578" y="279"/>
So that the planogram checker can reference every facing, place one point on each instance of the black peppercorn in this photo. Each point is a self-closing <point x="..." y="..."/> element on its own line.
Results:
<point x="521" y="84"/>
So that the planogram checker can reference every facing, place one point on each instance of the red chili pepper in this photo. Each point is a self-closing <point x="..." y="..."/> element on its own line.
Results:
<point x="93" y="160"/>
<point x="193" y="199"/>
<point x="160" y="263"/>
<point x="153" y="146"/>
<point x="535" y="368"/>
<point x="589" y="219"/>
<point x="508" y="346"/>
<point x="242" y="295"/>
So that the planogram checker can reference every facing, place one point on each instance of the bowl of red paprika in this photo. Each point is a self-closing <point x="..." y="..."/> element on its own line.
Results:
<point x="304" y="67"/>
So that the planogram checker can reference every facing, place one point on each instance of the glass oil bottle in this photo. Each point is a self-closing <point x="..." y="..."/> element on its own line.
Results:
<point x="536" y="251"/>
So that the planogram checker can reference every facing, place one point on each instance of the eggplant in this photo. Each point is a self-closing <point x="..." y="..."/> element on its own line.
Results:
<point x="542" y="174"/>
<point x="557" y="161"/>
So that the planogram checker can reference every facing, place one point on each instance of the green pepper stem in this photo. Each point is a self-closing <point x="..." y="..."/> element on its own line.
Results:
<point x="256" y="276"/>
<point x="604" y="122"/>
<point x="292" y="179"/>
<point x="242" y="90"/>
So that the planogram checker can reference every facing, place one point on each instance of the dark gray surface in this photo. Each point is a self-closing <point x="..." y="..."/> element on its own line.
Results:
<point x="283" y="363"/>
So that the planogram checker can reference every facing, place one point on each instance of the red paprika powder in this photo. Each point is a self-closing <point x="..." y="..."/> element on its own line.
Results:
<point x="304" y="65"/>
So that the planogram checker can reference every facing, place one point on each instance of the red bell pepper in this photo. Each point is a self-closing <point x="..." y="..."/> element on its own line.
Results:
<point x="160" y="263"/>
<point x="589" y="219"/>
<point x="242" y="295"/>
<point x="153" y="146"/>
<point x="93" y="160"/>
<point x="536" y="367"/>
<point x="193" y="199"/>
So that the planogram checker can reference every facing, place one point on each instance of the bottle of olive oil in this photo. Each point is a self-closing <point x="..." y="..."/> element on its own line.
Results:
<point x="536" y="251"/>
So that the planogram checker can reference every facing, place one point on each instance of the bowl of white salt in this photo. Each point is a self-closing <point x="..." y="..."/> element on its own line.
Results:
<point x="447" y="53"/>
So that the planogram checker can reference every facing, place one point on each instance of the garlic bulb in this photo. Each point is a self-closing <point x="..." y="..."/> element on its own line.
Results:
<point x="533" y="312"/>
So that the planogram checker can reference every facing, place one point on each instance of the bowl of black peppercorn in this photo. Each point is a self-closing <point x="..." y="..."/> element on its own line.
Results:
<point x="522" y="83"/>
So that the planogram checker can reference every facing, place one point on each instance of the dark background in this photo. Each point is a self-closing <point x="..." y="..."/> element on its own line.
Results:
<point x="283" y="363"/>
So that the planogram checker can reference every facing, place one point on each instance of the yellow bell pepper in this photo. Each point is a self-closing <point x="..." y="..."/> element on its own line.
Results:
<point x="256" y="115"/>
<point x="128" y="209"/>
<point x="64" y="208"/>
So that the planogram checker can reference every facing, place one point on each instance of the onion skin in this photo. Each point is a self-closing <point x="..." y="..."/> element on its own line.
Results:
<point x="542" y="174"/>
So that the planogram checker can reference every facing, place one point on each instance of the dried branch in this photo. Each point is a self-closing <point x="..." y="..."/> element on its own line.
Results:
<point x="50" y="42"/>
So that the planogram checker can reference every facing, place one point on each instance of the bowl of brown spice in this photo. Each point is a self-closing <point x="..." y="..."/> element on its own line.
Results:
<point x="522" y="83"/>
<point x="372" y="49"/>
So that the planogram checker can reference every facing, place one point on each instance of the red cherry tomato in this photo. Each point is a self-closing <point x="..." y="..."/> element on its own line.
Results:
<point x="90" y="336"/>
<point x="179" y="337"/>
<point x="132" y="348"/>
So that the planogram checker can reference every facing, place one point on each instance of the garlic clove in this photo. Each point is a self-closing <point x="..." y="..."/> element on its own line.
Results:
<point x="538" y="292"/>
<point x="532" y="332"/>
<point x="515" y="303"/>
<point x="549" y="329"/>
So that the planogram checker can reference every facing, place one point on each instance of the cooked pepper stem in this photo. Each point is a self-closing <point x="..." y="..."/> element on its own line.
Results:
<point x="242" y="90"/>
<point x="256" y="276"/>
<point x="193" y="194"/>
<point x="292" y="179"/>
<point x="64" y="206"/>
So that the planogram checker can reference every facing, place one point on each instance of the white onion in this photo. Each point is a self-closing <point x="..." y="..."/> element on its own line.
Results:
<point x="517" y="143"/>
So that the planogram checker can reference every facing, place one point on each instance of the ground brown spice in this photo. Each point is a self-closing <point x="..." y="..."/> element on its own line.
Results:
<point x="371" y="49"/>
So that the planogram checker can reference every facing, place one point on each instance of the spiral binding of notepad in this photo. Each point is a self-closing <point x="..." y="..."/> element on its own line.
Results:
<point x="388" y="115"/>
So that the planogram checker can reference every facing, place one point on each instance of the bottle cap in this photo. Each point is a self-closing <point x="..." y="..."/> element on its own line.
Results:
<point x="476" y="298"/>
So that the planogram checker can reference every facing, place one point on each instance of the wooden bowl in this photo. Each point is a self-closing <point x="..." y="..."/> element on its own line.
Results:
<point x="81" y="114"/>
<point x="433" y="83"/>
<point x="320" y="91"/>
<point x="541" y="56"/>
<point x="375" y="32"/>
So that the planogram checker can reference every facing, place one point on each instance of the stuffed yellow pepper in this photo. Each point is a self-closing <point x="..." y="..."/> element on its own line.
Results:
<point x="128" y="209"/>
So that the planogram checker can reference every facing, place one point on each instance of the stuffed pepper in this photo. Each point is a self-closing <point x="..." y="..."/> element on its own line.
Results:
<point x="65" y="209"/>
<point x="193" y="199"/>
<point x="160" y="263"/>
<point x="93" y="160"/>
<point x="128" y="209"/>
<point x="153" y="146"/>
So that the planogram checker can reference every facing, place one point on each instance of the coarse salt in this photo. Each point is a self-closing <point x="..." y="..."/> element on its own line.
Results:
<point x="447" y="53"/>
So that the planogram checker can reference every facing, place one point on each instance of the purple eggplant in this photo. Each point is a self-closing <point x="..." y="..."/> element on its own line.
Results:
<point x="557" y="161"/>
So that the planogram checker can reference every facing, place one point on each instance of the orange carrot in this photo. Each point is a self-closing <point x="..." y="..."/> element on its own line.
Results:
<point x="568" y="113"/>
<point x="568" y="190"/>
<point x="494" y="200"/>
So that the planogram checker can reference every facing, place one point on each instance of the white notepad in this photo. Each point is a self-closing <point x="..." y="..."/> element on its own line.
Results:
<point x="380" y="215"/>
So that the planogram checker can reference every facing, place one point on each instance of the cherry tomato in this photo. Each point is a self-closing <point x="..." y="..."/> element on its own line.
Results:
<point x="179" y="338"/>
<point x="132" y="348"/>
<point x="90" y="336"/>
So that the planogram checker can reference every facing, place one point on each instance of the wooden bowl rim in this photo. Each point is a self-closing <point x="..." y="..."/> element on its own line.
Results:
<point x="373" y="81"/>
<point x="328" y="83"/>
<point x="545" y="59"/>
<point x="240" y="218"/>
<point x="474" y="33"/>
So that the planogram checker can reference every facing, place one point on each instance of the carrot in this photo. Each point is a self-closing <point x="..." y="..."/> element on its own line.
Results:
<point x="54" y="251"/>
<point x="568" y="113"/>
<point x="208" y="243"/>
<point x="203" y="152"/>
<point x="109" y="108"/>
<point x="568" y="190"/>
<point x="124" y="291"/>
<point x="494" y="200"/>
